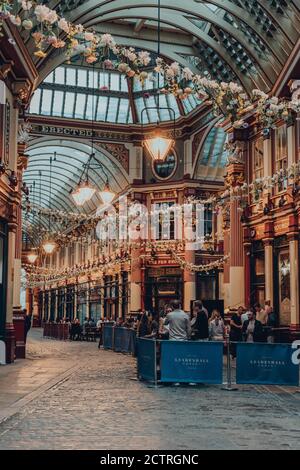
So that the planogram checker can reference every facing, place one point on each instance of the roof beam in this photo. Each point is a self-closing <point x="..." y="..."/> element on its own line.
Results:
<point x="139" y="25"/>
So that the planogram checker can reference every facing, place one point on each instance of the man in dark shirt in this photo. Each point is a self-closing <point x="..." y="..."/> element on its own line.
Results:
<point x="200" y="330"/>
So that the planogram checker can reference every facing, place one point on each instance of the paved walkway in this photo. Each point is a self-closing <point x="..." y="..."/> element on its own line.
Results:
<point x="71" y="396"/>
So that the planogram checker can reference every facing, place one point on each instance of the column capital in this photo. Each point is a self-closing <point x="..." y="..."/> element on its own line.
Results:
<point x="268" y="241"/>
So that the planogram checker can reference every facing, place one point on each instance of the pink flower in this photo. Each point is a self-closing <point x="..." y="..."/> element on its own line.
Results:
<point x="64" y="25"/>
<point x="144" y="57"/>
<point x="108" y="64"/>
<point x="187" y="73"/>
<point x="107" y="40"/>
<point x="88" y="36"/>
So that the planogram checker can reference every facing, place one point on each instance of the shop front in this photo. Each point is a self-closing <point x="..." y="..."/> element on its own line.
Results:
<point x="3" y="277"/>
<point x="162" y="285"/>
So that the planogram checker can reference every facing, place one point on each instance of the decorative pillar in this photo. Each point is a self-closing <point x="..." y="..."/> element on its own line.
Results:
<point x="234" y="178"/>
<point x="56" y="304"/>
<point x="88" y="300"/>
<point x="269" y="270"/>
<point x="35" y="313"/>
<point x="75" y="293"/>
<point x="102" y="295"/>
<point x="136" y="280"/>
<point x="189" y="280"/>
<point x="293" y="237"/>
<point x="247" y="260"/>
<point x="10" y="340"/>
<point x="291" y="142"/>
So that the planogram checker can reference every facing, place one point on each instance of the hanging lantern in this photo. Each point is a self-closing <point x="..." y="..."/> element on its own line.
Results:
<point x="83" y="193"/>
<point x="32" y="257"/>
<point x="106" y="194"/>
<point x="159" y="146"/>
<point x="49" y="246"/>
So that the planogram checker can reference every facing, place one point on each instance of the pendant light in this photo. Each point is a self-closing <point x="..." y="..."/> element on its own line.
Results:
<point x="49" y="245"/>
<point x="158" y="145"/>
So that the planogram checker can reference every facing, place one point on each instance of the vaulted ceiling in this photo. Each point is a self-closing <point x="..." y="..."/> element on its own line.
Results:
<point x="244" y="40"/>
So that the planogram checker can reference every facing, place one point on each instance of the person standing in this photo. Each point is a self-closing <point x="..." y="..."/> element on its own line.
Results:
<point x="143" y="328"/>
<point x="216" y="327"/>
<point x="271" y="324"/>
<point x="179" y="323"/>
<point x="261" y="314"/>
<point x="27" y="325"/>
<point x="235" y="334"/>
<point x="200" y="323"/>
<point x="252" y="329"/>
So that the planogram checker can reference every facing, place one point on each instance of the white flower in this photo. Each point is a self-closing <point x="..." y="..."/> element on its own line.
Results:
<point x="16" y="20"/>
<point x="260" y="94"/>
<point x="41" y="12"/>
<point x="107" y="40"/>
<point x="26" y="5"/>
<point x="64" y="25"/>
<point x="144" y="57"/>
<point x="274" y="100"/>
<point x="175" y="67"/>
<point x="52" y="17"/>
<point x="235" y="88"/>
<point x="187" y="73"/>
<point x="238" y="124"/>
<point x="170" y="73"/>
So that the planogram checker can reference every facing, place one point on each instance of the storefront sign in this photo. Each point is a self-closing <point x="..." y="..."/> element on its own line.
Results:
<point x="146" y="359"/>
<point x="192" y="361"/>
<point x="269" y="364"/>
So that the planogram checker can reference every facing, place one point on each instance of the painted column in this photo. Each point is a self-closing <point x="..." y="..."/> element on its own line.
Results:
<point x="136" y="281"/>
<point x="269" y="270"/>
<point x="88" y="300"/>
<point x="188" y="158"/>
<point x="235" y="177"/>
<point x="56" y="304"/>
<point x="291" y="143"/>
<point x="10" y="340"/>
<point x="102" y="294"/>
<point x="189" y="279"/>
<point x="294" y="276"/>
<point x="75" y="300"/>
<point x="293" y="237"/>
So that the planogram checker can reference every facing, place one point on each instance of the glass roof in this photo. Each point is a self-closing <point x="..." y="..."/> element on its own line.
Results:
<point x="213" y="152"/>
<point x="84" y="93"/>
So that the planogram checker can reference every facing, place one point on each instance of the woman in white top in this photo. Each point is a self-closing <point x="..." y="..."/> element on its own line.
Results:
<point x="216" y="327"/>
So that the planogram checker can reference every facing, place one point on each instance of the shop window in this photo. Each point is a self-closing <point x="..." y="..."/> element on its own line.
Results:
<point x="165" y="223"/>
<point x="257" y="161"/>
<point x="284" y="288"/>
<point x="281" y="158"/>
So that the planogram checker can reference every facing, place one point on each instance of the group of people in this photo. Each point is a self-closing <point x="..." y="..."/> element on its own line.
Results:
<point x="175" y="324"/>
<point x="253" y="325"/>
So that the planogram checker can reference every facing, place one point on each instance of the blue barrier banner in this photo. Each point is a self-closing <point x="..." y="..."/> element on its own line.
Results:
<point x="146" y="359"/>
<point x="269" y="364"/>
<point x="119" y="339"/>
<point x="192" y="361"/>
<point x="108" y="337"/>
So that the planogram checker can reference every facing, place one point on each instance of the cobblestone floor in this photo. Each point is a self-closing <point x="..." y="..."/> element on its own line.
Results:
<point x="98" y="406"/>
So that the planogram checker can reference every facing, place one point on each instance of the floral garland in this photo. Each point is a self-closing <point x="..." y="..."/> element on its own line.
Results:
<point x="201" y="267"/>
<point x="47" y="29"/>
<point x="57" y="275"/>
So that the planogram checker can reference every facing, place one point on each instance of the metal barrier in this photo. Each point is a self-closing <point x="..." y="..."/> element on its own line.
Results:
<point x="56" y="331"/>
<point x="202" y="362"/>
<point x="119" y="339"/>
